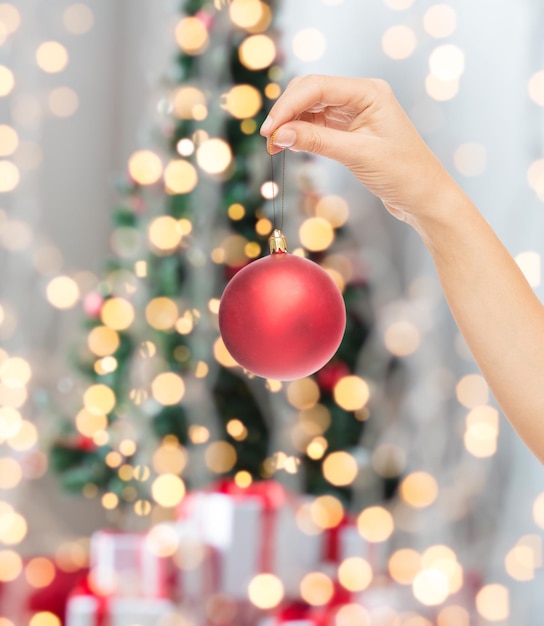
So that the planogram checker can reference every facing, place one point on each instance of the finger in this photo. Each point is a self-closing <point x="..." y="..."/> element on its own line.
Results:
<point x="307" y="137"/>
<point x="315" y="92"/>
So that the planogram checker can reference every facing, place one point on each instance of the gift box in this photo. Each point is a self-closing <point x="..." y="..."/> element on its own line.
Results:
<point x="86" y="609"/>
<point x="243" y="532"/>
<point x="122" y="564"/>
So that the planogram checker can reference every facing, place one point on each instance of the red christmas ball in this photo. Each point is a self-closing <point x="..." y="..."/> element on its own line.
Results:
<point x="282" y="317"/>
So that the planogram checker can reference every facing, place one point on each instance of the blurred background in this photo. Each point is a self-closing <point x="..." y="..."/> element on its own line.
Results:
<point x="133" y="185"/>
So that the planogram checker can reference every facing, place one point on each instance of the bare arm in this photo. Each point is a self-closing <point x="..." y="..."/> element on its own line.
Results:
<point x="359" y="123"/>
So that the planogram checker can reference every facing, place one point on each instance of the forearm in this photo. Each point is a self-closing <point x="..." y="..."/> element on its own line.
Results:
<point x="495" y="308"/>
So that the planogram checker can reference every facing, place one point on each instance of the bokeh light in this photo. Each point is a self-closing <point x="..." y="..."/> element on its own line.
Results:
<point x="355" y="574"/>
<point x="243" y="101"/>
<point x="266" y="591"/>
<point x="63" y="292"/>
<point x="99" y="399"/>
<point x="40" y="572"/>
<point x="63" y="101"/>
<point x="351" y="393"/>
<point x="316" y="588"/>
<point x="470" y="159"/>
<point x="493" y="603"/>
<point x="7" y="80"/>
<point x="117" y="313"/>
<point x="214" y="156"/>
<point x="78" y="18"/>
<point x="180" y="176"/>
<point x="440" y="21"/>
<point x="168" y="490"/>
<point x="536" y="88"/>
<point x="316" y="234"/>
<point x="145" y="167"/>
<point x="191" y="35"/>
<point x="220" y="457"/>
<point x="340" y="468"/>
<point x="9" y="140"/>
<point x="404" y="565"/>
<point x="168" y="388"/>
<point x="399" y="42"/>
<point x="402" y="338"/>
<point x="430" y="587"/>
<point x="9" y="179"/>
<point x="9" y="17"/>
<point x="472" y="391"/>
<point x="309" y="45"/>
<point x="51" y="57"/>
<point x="530" y="263"/>
<point x="419" y="489"/>
<point x="375" y="524"/>
<point x="257" y="52"/>
<point x="447" y="62"/>
<point x="161" y="313"/>
<point x="453" y="616"/>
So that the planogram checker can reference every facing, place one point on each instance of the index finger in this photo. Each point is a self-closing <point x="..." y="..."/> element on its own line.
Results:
<point x="316" y="92"/>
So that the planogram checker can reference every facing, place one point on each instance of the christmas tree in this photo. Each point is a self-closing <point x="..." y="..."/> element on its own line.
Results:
<point x="160" y="395"/>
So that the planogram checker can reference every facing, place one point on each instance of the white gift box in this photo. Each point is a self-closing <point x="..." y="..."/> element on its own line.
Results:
<point x="243" y="537"/>
<point x="84" y="610"/>
<point x="122" y="564"/>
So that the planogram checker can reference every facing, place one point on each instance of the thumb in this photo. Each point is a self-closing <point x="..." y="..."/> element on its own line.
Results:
<point x="308" y="137"/>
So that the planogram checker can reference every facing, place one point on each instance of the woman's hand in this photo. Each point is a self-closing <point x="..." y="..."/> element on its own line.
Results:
<point x="359" y="123"/>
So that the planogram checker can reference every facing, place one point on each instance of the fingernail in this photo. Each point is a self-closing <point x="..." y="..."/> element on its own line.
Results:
<point x="285" y="138"/>
<point x="267" y="125"/>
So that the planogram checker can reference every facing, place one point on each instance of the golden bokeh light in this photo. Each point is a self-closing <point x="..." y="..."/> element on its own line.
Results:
<point x="351" y="393"/>
<point x="117" y="313"/>
<point x="164" y="234"/>
<point x="316" y="234"/>
<point x="352" y="614"/>
<point x="520" y="564"/>
<point x="9" y="140"/>
<point x="13" y="528"/>
<point x="180" y="177"/>
<point x="51" y="57"/>
<point x="7" y="80"/>
<point x="44" y="618"/>
<point x="402" y="338"/>
<point x="375" y="524"/>
<point x="191" y="35"/>
<point x="440" y="21"/>
<point x="303" y="393"/>
<point x="263" y="227"/>
<point x="161" y="313"/>
<point x="168" y="490"/>
<point x="419" y="489"/>
<point x="145" y="167"/>
<point x="40" y="572"/>
<point x="493" y="603"/>
<point x="535" y="177"/>
<point x="482" y="430"/>
<point x="236" y="211"/>
<point x="11" y="565"/>
<point x="78" y="18"/>
<point x="168" y="388"/>
<point x="447" y="62"/>
<point x="441" y="90"/>
<point x="220" y="457"/>
<point x="265" y="591"/>
<point x="472" y="391"/>
<point x="340" y="468"/>
<point x="99" y="399"/>
<point x="10" y="17"/>
<point x="222" y="355"/>
<point x="470" y="159"/>
<point x="163" y="540"/>
<point x="11" y="473"/>
<point x="214" y="156"/>
<point x="399" y="5"/>
<point x="309" y="45"/>
<point x="399" y="42"/>
<point x="243" y="479"/>
<point x="15" y="372"/>
<point x="110" y="501"/>
<point x="243" y="101"/>
<point x="453" y="616"/>
<point x="257" y="52"/>
<point x="355" y="574"/>
<point x="404" y="565"/>
<point x="236" y="429"/>
<point x="272" y="91"/>
<point x="89" y="424"/>
<point x="246" y="13"/>
<point x="10" y="422"/>
<point x="189" y="103"/>
<point x="538" y="510"/>
<point x="536" y="88"/>
<point x="316" y="448"/>
<point x="326" y="511"/>
<point x="9" y="179"/>
<point x="431" y="587"/>
<point x="316" y="588"/>
<point x="63" y="101"/>
<point x="334" y="209"/>
<point x="103" y="341"/>
<point x="25" y="438"/>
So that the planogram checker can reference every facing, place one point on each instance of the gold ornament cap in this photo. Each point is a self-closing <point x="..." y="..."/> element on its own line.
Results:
<point x="277" y="242"/>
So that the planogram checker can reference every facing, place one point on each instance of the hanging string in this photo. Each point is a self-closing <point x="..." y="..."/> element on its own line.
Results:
<point x="282" y="187"/>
